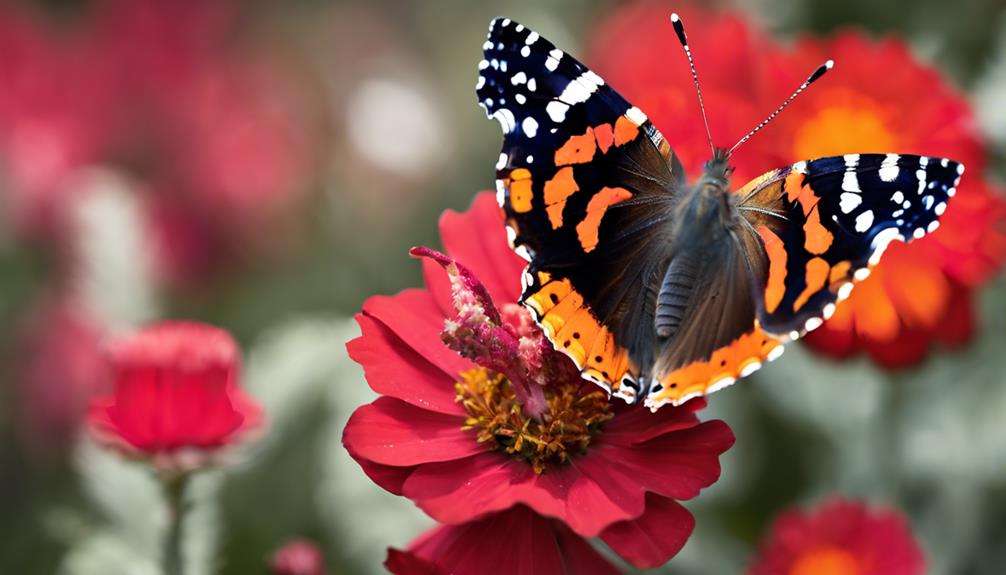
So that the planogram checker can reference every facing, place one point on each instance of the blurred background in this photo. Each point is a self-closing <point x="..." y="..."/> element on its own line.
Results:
<point x="265" y="167"/>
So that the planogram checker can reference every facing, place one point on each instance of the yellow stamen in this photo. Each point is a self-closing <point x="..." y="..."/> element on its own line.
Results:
<point x="574" y="416"/>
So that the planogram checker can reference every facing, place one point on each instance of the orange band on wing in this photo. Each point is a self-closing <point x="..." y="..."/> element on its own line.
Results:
<point x="518" y="182"/>
<point x="818" y="238"/>
<point x="741" y="358"/>
<point x="817" y="277"/>
<point x="572" y="328"/>
<point x="577" y="149"/>
<point x="587" y="229"/>
<point x="560" y="187"/>
<point x="625" y="130"/>
<point x="605" y="137"/>
<point x="775" y="288"/>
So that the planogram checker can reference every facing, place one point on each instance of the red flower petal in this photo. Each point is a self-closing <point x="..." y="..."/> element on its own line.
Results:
<point x="465" y="238"/>
<point x="392" y="432"/>
<point x="634" y="425"/>
<point x="415" y="318"/>
<point x="674" y="465"/>
<point x="175" y="388"/>
<point x="393" y="368"/>
<point x="513" y="542"/>
<point x="653" y="538"/>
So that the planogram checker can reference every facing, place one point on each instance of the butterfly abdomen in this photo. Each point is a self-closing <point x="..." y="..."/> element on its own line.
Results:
<point x="675" y="292"/>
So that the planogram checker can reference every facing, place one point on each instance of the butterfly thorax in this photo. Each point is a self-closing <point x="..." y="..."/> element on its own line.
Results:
<point x="706" y="211"/>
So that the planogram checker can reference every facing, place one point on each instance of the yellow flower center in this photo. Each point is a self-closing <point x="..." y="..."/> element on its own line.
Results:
<point x="826" y="561"/>
<point x="847" y="124"/>
<point x="574" y="416"/>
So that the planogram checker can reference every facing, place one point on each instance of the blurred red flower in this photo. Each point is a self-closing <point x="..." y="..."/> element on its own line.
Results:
<point x="213" y="130"/>
<point x="518" y="425"/>
<point x="879" y="98"/>
<point x="840" y="537"/>
<point x="53" y="109"/>
<point x="298" y="557"/>
<point x="533" y="544"/>
<point x="60" y="368"/>
<point x="176" y="397"/>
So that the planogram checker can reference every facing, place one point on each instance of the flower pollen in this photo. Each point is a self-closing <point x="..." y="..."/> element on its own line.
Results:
<point x="574" y="414"/>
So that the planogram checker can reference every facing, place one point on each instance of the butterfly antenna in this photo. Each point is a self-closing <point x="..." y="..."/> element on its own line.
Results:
<point x="810" y="80"/>
<point x="679" y="29"/>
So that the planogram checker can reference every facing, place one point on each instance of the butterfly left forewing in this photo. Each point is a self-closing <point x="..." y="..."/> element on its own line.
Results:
<point x="836" y="216"/>
<point x="584" y="180"/>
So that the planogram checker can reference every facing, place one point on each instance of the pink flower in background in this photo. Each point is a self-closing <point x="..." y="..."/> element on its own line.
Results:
<point x="514" y="423"/>
<point x="165" y="92"/>
<point x="55" y="107"/>
<point x="176" y="398"/>
<point x="298" y="557"/>
<point x="840" y="537"/>
<point x="60" y="369"/>
<point x="514" y="541"/>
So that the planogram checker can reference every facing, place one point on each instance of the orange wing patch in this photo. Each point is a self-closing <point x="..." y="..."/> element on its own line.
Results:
<point x="587" y="229"/>
<point x="817" y="275"/>
<point x="818" y="237"/>
<point x="741" y="358"/>
<point x="775" y="288"/>
<point x="560" y="187"/>
<point x="625" y="130"/>
<point x="605" y="136"/>
<point x="572" y="328"/>
<point x="577" y="149"/>
<point x="519" y="184"/>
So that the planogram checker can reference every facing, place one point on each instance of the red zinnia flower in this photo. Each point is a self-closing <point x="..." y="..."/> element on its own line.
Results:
<point x="879" y="98"/>
<point x="840" y="538"/>
<point x="920" y="293"/>
<point x="298" y="557"/>
<point x="534" y="544"/>
<point x="176" y="398"/>
<point x="519" y="425"/>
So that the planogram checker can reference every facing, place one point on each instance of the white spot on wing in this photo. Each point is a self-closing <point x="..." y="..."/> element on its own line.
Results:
<point x="889" y="168"/>
<point x="557" y="111"/>
<point x="636" y="116"/>
<point x="881" y="241"/>
<point x="864" y="221"/>
<point x="775" y="353"/>
<point x="506" y="119"/>
<point x="849" y="201"/>
<point x="530" y="126"/>
<point x="844" y="291"/>
<point x="750" y="368"/>
<point x="501" y="163"/>
<point x="552" y="62"/>
<point x="518" y="78"/>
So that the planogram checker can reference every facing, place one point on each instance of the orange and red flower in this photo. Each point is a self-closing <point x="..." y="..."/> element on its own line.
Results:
<point x="879" y="98"/>
<point x="840" y="537"/>
<point x="534" y="544"/>
<point x="514" y="424"/>
<point x="176" y="399"/>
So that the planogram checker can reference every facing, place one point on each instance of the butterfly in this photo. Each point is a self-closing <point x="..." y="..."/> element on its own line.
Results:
<point x="659" y="287"/>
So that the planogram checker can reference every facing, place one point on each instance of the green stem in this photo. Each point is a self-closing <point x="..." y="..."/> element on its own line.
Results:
<point x="174" y="494"/>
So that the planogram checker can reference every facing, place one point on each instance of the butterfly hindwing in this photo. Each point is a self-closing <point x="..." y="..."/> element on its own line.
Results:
<point x="840" y="213"/>
<point x="582" y="179"/>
